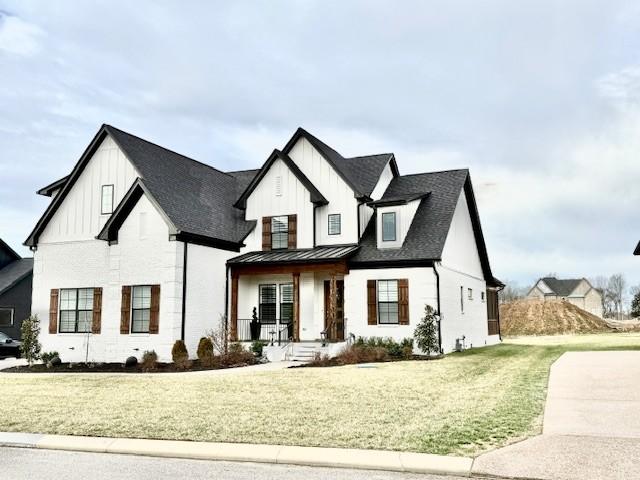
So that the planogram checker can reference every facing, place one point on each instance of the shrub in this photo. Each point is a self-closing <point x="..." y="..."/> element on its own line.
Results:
<point x="237" y="355"/>
<point x="257" y="346"/>
<point x="46" y="357"/>
<point x="205" y="351"/>
<point x="30" y="346"/>
<point x="55" y="362"/>
<point x="426" y="333"/>
<point x="180" y="355"/>
<point x="149" y="360"/>
<point x="130" y="362"/>
<point x="220" y="337"/>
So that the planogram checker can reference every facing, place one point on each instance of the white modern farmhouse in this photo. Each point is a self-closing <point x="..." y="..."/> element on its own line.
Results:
<point x="141" y="246"/>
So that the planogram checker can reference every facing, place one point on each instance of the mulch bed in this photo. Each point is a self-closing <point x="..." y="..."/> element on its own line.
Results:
<point x="120" y="368"/>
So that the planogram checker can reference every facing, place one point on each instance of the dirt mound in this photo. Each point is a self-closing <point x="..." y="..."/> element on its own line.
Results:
<point x="551" y="317"/>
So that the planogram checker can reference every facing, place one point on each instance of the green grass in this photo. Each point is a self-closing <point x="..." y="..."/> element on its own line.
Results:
<point x="463" y="404"/>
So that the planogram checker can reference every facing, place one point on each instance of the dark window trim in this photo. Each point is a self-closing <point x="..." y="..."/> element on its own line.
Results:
<point x="339" y="215"/>
<point x="461" y="299"/>
<point x="280" y="233"/>
<point x="395" y="227"/>
<point x="77" y="312"/>
<point x="470" y="293"/>
<point x="275" y="287"/>
<point x="378" y="302"/>
<point x="102" y="212"/>
<point x="13" y="316"/>
<point x="133" y="287"/>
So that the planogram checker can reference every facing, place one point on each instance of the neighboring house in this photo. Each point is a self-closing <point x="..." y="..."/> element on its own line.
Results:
<point x="577" y="291"/>
<point x="15" y="290"/>
<point x="141" y="246"/>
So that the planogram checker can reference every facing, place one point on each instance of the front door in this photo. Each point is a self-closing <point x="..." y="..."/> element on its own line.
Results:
<point x="336" y="332"/>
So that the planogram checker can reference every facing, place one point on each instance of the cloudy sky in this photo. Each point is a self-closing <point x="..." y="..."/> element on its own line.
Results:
<point x="541" y="100"/>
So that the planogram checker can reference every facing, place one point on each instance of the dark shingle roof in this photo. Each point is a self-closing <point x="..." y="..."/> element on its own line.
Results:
<point x="14" y="272"/>
<point x="562" y="288"/>
<point x="637" y="250"/>
<point x="428" y="232"/>
<point x="306" y="255"/>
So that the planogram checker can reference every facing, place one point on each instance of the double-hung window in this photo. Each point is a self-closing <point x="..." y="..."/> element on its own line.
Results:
<point x="106" y="200"/>
<point x="6" y="317"/>
<point x="388" y="301"/>
<point x="286" y="302"/>
<point x="140" y="309"/>
<point x="279" y="232"/>
<point x="334" y="224"/>
<point x="76" y="310"/>
<point x="389" y="227"/>
<point x="267" y="295"/>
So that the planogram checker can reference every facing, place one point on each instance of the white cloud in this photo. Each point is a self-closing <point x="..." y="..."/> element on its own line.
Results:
<point x="18" y="37"/>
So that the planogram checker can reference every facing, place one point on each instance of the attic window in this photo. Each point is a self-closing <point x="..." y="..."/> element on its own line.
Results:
<point x="334" y="224"/>
<point x="279" y="186"/>
<point x="106" y="200"/>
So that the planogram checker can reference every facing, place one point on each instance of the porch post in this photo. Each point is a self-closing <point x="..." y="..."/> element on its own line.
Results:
<point x="333" y="305"/>
<point x="296" y="305"/>
<point x="234" y="306"/>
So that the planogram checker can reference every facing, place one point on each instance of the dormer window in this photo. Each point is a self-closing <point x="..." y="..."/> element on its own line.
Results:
<point x="106" y="200"/>
<point x="389" y="227"/>
<point x="334" y="224"/>
<point x="279" y="232"/>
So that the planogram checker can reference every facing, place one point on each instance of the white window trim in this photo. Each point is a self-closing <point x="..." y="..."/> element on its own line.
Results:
<point x="388" y="324"/>
<point x="131" y="332"/>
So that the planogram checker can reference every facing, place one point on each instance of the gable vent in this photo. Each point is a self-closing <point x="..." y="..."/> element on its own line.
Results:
<point x="279" y="186"/>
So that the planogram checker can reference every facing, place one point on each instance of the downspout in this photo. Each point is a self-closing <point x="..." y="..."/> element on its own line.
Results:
<point x="184" y="291"/>
<point x="435" y="271"/>
<point x="358" y="210"/>
<point x="226" y="299"/>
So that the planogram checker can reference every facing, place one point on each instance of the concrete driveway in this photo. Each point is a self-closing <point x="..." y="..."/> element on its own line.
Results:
<point x="591" y="427"/>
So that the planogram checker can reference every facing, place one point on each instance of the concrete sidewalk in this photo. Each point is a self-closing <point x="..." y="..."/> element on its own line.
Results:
<point x="591" y="424"/>
<point x="235" y="452"/>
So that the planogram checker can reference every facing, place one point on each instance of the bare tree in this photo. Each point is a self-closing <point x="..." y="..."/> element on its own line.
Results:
<point x="512" y="292"/>
<point x="617" y="287"/>
<point x="601" y="283"/>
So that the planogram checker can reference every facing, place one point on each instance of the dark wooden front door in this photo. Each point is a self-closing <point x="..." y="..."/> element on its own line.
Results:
<point x="336" y="332"/>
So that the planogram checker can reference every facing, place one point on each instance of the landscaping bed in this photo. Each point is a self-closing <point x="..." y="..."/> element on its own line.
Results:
<point x="463" y="404"/>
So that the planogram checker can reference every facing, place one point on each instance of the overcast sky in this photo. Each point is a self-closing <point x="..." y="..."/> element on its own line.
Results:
<point x="541" y="100"/>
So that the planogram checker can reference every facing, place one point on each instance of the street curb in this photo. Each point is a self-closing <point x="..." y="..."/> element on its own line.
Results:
<point x="242" y="452"/>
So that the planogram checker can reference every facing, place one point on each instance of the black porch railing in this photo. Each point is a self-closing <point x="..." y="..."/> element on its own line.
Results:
<point x="266" y="330"/>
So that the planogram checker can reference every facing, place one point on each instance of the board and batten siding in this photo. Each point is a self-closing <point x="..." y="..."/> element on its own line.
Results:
<point x="280" y="193"/>
<point x="339" y="194"/>
<point x="79" y="217"/>
<point x="366" y="212"/>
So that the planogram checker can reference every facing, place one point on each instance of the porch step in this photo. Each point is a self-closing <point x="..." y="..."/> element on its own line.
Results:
<point x="304" y="352"/>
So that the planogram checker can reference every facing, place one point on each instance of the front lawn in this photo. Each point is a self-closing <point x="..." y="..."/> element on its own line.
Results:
<point x="463" y="404"/>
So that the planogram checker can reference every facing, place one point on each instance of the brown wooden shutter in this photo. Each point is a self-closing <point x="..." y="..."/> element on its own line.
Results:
<point x="154" y="314"/>
<point x="293" y="231"/>
<point x="96" y="324"/>
<point x="372" y="303"/>
<point x="403" y="301"/>
<point x="266" y="233"/>
<point x="125" y="310"/>
<point x="53" y="311"/>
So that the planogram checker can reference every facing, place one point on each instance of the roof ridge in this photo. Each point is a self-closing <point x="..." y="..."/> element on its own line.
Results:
<point x="370" y="155"/>
<point x="167" y="149"/>
<point x="437" y="171"/>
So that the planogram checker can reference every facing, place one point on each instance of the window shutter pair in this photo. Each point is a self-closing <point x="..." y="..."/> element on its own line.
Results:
<point x="403" y="302"/>
<point x="154" y="312"/>
<point x="96" y="322"/>
<point x="292" y="239"/>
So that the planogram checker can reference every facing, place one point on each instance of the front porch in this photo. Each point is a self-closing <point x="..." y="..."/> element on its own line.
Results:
<point x="289" y="296"/>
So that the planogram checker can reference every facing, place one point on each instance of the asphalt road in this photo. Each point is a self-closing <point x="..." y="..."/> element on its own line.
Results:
<point x="33" y="464"/>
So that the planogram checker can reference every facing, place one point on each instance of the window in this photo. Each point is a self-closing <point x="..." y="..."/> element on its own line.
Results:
<point x="141" y="309"/>
<point x="334" y="224"/>
<point x="482" y="296"/>
<point x="286" y="302"/>
<point x="470" y="293"/>
<point x="279" y="232"/>
<point x="6" y="317"/>
<point x="462" y="299"/>
<point x="267" y="303"/>
<point x="76" y="310"/>
<point x="387" y="301"/>
<point x="389" y="227"/>
<point x="107" y="200"/>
